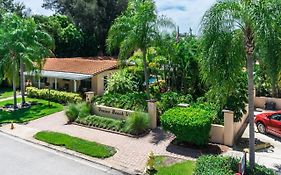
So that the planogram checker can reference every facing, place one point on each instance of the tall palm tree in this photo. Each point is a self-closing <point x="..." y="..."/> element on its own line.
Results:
<point x="135" y="30"/>
<point x="235" y="33"/>
<point x="22" y="47"/>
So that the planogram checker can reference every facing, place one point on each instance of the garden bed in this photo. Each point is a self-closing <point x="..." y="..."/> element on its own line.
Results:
<point x="86" y="147"/>
<point x="107" y="124"/>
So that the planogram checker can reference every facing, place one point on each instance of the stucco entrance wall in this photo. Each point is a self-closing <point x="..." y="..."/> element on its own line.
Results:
<point x="226" y="134"/>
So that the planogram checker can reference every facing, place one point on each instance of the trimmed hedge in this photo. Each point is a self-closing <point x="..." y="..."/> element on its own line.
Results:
<point x="192" y="124"/>
<point x="55" y="96"/>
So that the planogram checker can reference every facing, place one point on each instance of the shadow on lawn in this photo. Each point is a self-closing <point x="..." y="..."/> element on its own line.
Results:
<point x="25" y="115"/>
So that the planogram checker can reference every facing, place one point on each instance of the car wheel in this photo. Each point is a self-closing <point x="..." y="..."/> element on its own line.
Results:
<point x="261" y="128"/>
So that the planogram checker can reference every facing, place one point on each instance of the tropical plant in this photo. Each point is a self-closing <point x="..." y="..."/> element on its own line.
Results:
<point x="234" y="35"/>
<point x="137" y="123"/>
<point x="73" y="111"/>
<point x="136" y="29"/>
<point x="121" y="82"/>
<point x="23" y="47"/>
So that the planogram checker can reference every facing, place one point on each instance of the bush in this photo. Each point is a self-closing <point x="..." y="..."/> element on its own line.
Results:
<point x="130" y="101"/>
<point x="73" y="111"/>
<point x="121" y="82"/>
<point x="190" y="124"/>
<point x="169" y="100"/>
<point x="55" y="96"/>
<point x="102" y="122"/>
<point x="210" y="165"/>
<point x="137" y="123"/>
<point x="218" y="165"/>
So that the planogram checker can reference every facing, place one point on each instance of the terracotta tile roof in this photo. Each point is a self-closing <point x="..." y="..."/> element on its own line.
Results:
<point x="89" y="65"/>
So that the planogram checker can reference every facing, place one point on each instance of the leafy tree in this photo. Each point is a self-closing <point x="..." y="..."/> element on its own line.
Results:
<point x="235" y="33"/>
<point x="136" y="29"/>
<point x="22" y="46"/>
<point x="68" y="38"/>
<point x="94" y="17"/>
<point x="179" y="60"/>
<point x="10" y="6"/>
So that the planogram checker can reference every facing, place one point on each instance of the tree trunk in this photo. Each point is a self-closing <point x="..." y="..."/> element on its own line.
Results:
<point x="250" y="68"/>
<point x="22" y="82"/>
<point x="15" y="90"/>
<point x="146" y="73"/>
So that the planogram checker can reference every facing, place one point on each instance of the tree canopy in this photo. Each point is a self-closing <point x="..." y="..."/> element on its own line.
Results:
<point x="94" y="17"/>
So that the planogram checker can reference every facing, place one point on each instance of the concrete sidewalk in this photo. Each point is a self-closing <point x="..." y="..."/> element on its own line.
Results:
<point x="131" y="153"/>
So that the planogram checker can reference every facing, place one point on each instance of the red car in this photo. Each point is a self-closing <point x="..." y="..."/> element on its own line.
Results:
<point x="269" y="122"/>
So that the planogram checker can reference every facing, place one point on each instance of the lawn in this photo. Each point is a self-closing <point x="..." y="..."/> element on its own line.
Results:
<point x="86" y="147"/>
<point x="6" y="92"/>
<point x="182" y="168"/>
<point x="24" y="115"/>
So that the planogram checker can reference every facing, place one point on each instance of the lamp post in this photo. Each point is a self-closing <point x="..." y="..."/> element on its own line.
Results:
<point x="47" y="84"/>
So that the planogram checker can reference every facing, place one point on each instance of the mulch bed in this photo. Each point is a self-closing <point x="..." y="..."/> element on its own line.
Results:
<point x="210" y="148"/>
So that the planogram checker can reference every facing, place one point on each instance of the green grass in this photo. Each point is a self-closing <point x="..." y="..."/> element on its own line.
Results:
<point x="5" y="93"/>
<point x="24" y="115"/>
<point x="89" y="148"/>
<point x="183" y="168"/>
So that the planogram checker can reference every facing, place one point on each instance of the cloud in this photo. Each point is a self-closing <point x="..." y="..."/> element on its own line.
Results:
<point x="36" y="7"/>
<point x="190" y="14"/>
<point x="185" y="13"/>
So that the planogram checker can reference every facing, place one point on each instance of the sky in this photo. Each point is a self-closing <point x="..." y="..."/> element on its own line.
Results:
<point x="185" y="13"/>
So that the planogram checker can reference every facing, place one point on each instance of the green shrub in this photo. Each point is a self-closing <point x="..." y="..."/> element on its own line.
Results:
<point x="53" y="95"/>
<point x="137" y="123"/>
<point x="102" y="122"/>
<point x="73" y="111"/>
<point x="130" y="101"/>
<point x="121" y="82"/>
<point x="190" y="124"/>
<point x="219" y="165"/>
<point x="169" y="100"/>
<point x="213" y="165"/>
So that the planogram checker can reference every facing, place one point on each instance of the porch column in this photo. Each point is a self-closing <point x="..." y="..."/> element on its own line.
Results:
<point x="56" y="83"/>
<point x="39" y="83"/>
<point x="75" y="86"/>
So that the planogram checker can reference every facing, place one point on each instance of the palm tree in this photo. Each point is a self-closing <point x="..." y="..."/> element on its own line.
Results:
<point x="22" y="47"/>
<point x="135" y="30"/>
<point x="235" y="33"/>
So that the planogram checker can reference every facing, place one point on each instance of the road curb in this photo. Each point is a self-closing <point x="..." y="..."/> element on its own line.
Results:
<point x="70" y="154"/>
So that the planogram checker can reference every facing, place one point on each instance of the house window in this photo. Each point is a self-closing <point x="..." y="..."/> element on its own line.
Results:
<point x="105" y="82"/>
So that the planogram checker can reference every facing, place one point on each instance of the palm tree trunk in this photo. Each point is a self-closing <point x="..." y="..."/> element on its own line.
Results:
<point x="250" y="68"/>
<point x="22" y="83"/>
<point x="146" y="73"/>
<point x="15" y="90"/>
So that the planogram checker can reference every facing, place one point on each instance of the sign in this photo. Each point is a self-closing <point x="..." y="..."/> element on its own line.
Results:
<point x="111" y="112"/>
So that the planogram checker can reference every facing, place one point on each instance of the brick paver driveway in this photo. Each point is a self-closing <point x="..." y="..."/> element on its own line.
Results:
<point x="131" y="153"/>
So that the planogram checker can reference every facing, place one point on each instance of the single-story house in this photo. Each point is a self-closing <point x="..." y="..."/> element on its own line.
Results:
<point x="74" y="74"/>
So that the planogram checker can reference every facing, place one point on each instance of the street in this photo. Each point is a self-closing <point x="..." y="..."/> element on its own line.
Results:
<point x="18" y="157"/>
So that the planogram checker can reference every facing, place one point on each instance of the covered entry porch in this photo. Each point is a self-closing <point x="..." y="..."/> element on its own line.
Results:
<point x="66" y="81"/>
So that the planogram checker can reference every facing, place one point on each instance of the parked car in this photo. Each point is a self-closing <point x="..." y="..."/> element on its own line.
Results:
<point x="269" y="122"/>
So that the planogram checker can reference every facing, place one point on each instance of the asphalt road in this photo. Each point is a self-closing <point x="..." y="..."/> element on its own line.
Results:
<point x="18" y="157"/>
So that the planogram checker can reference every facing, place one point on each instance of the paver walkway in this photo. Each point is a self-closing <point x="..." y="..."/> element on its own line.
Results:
<point x="131" y="153"/>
